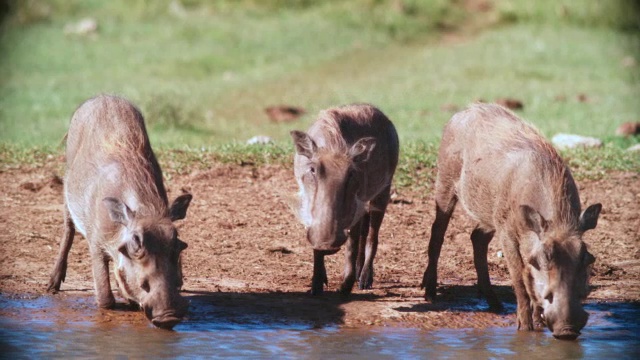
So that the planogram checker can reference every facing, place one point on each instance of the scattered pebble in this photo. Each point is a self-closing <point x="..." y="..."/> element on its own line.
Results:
<point x="569" y="141"/>
<point x="629" y="61"/>
<point x="284" y="113"/>
<point x="628" y="129"/>
<point x="30" y="186"/>
<point x="86" y="26"/>
<point x="583" y="98"/>
<point x="634" y="148"/>
<point x="280" y="249"/>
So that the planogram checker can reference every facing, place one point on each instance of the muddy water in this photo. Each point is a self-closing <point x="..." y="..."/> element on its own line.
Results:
<point x="71" y="327"/>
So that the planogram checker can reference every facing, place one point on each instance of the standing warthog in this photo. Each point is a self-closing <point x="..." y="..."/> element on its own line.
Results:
<point x="344" y="166"/>
<point x="114" y="196"/>
<point x="513" y="183"/>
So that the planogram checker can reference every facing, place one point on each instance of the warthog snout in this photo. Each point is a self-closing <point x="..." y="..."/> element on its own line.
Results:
<point x="566" y="334"/>
<point x="563" y="331"/>
<point x="167" y="318"/>
<point x="324" y="239"/>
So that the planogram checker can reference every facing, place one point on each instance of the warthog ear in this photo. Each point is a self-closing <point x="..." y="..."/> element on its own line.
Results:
<point x="119" y="212"/>
<point x="182" y="245"/>
<point x="305" y="145"/>
<point x="589" y="217"/>
<point x="361" y="150"/>
<point x="178" y="210"/>
<point x="533" y="220"/>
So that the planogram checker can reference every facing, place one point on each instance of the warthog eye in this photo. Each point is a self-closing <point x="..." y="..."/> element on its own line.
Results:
<point x="145" y="286"/>
<point x="312" y="170"/>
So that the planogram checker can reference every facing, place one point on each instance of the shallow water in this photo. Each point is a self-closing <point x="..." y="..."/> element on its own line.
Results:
<point x="35" y="328"/>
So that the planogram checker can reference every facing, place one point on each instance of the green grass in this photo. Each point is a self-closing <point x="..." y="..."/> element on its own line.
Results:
<point x="416" y="169"/>
<point x="203" y="74"/>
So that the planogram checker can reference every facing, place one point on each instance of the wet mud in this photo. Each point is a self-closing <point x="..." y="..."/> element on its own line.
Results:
<point x="248" y="263"/>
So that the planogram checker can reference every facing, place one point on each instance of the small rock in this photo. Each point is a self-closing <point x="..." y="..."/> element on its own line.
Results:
<point x="634" y="148"/>
<point x="569" y="141"/>
<point x="55" y="182"/>
<point x="628" y="129"/>
<point x="85" y="26"/>
<point x="629" y="61"/>
<point x="260" y="139"/>
<point x="583" y="98"/>
<point x="509" y="103"/>
<point x="279" y="249"/>
<point x="33" y="187"/>
<point x="284" y="113"/>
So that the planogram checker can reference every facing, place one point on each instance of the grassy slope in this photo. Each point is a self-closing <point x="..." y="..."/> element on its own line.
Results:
<point x="203" y="78"/>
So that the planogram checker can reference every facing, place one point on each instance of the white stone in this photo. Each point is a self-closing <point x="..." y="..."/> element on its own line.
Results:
<point x="634" y="148"/>
<point x="85" y="26"/>
<point x="569" y="141"/>
<point x="260" y="139"/>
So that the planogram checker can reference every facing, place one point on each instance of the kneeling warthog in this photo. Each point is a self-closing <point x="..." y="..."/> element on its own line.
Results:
<point x="344" y="166"/>
<point x="513" y="183"/>
<point x="115" y="197"/>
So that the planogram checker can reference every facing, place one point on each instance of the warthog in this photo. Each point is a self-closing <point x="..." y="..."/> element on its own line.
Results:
<point x="344" y="166"/>
<point x="115" y="197"/>
<point x="513" y="183"/>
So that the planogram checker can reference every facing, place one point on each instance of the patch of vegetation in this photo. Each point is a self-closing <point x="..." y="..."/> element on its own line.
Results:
<point x="416" y="168"/>
<point x="417" y="165"/>
<point x="618" y="14"/>
<point x="595" y="163"/>
<point x="202" y="72"/>
<point x="182" y="161"/>
<point x="14" y="156"/>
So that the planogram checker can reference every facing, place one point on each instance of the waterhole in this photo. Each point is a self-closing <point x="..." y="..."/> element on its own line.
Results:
<point x="72" y="327"/>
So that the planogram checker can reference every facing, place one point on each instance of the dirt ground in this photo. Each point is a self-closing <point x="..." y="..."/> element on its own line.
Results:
<point x="248" y="253"/>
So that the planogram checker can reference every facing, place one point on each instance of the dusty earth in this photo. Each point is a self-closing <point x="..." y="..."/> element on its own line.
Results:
<point x="248" y="254"/>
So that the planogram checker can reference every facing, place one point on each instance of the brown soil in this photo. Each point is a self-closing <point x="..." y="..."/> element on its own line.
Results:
<point x="248" y="253"/>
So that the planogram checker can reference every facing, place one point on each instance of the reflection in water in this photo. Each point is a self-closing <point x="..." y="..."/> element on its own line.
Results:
<point x="613" y="333"/>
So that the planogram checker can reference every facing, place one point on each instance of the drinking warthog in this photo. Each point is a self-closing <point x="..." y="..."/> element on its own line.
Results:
<point x="513" y="183"/>
<point x="344" y="166"/>
<point x="115" y="197"/>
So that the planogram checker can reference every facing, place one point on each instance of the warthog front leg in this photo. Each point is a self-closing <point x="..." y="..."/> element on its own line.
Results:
<point x="362" y="242"/>
<point x="438" y="229"/>
<point x="60" y="270"/>
<point x="100" y="267"/>
<point x="480" y="239"/>
<point x="516" y="266"/>
<point x="319" y="278"/>
<point x="378" y="207"/>
<point x="351" y="254"/>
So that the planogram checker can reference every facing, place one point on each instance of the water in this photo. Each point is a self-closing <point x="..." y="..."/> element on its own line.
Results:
<point x="37" y="328"/>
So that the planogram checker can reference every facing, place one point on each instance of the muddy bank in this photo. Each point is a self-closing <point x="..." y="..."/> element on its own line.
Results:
<point x="248" y="253"/>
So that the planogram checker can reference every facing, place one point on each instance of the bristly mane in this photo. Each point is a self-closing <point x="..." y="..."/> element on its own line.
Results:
<point x="531" y="143"/>
<point x="126" y="143"/>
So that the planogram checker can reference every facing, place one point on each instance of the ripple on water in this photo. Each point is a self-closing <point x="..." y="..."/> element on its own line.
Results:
<point x="35" y="328"/>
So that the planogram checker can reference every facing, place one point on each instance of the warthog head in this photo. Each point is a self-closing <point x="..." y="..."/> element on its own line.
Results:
<point x="329" y="182"/>
<point x="148" y="268"/>
<point x="558" y="271"/>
